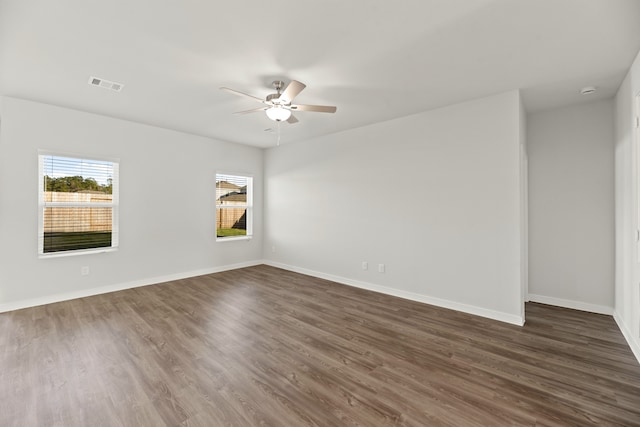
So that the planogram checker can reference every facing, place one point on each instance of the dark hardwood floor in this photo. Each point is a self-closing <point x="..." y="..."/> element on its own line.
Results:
<point x="266" y="347"/>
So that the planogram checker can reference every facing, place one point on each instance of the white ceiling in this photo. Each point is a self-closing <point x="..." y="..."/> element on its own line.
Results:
<point x="374" y="59"/>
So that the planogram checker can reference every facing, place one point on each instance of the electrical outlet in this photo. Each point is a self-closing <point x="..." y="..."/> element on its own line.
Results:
<point x="273" y="249"/>
<point x="380" y="268"/>
<point x="84" y="271"/>
<point x="365" y="265"/>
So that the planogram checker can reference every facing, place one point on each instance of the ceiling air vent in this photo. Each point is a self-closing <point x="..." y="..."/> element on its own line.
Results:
<point x="105" y="84"/>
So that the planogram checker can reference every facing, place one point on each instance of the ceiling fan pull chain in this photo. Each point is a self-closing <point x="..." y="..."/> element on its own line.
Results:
<point x="278" y="140"/>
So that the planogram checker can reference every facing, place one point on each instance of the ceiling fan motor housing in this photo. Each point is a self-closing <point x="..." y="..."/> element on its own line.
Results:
<point x="273" y="98"/>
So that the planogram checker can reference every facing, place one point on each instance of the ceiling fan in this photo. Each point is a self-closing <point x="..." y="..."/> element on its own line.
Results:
<point x="278" y="106"/>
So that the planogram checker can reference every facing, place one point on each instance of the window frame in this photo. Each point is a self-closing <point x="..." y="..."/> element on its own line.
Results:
<point x="248" y="206"/>
<point x="114" y="205"/>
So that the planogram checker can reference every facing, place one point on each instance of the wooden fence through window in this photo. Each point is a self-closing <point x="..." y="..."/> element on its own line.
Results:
<point x="76" y="218"/>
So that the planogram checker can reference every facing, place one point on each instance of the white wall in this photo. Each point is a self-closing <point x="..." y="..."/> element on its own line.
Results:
<point x="434" y="196"/>
<point x="627" y="277"/>
<point x="571" y="206"/>
<point x="524" y="207"/>
<point x="167" y="203"/>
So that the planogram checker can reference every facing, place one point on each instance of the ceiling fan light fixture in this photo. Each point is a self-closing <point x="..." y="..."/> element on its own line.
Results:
<point x="278" y="114"/>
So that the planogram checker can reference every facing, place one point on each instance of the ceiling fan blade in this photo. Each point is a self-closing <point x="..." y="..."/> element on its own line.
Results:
<point x="291" y="91"/>
<point x="236" y="92"/>
<point x="317" y="108"/>
<point x="254" y="110"/>
<point x="292" y="119"/>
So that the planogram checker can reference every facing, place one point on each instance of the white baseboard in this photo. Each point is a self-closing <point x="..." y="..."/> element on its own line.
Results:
<point x="50" y="299"/>
<point x="465" y="308"/>
<point x="634" y="343"/>
<point x="575" y="305"/>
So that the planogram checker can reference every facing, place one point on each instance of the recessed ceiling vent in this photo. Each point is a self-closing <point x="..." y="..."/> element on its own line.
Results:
<point x="105" y="84"/>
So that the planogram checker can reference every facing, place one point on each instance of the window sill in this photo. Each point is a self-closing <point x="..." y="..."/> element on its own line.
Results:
<point x="76" y="253"/>
<point x="233" y="238"/>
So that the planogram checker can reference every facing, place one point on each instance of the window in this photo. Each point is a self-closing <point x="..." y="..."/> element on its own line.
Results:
<point x="78" y="205"/>
<point x="234" y="200"/>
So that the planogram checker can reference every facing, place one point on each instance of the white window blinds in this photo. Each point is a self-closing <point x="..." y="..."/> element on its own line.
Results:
<point x="78" y="200"/>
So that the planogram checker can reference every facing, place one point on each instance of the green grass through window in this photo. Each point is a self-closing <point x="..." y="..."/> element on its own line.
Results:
<point x="228" y="232"/>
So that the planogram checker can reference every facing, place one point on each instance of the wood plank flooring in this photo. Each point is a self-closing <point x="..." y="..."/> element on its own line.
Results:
<point x="266" y="347"/>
